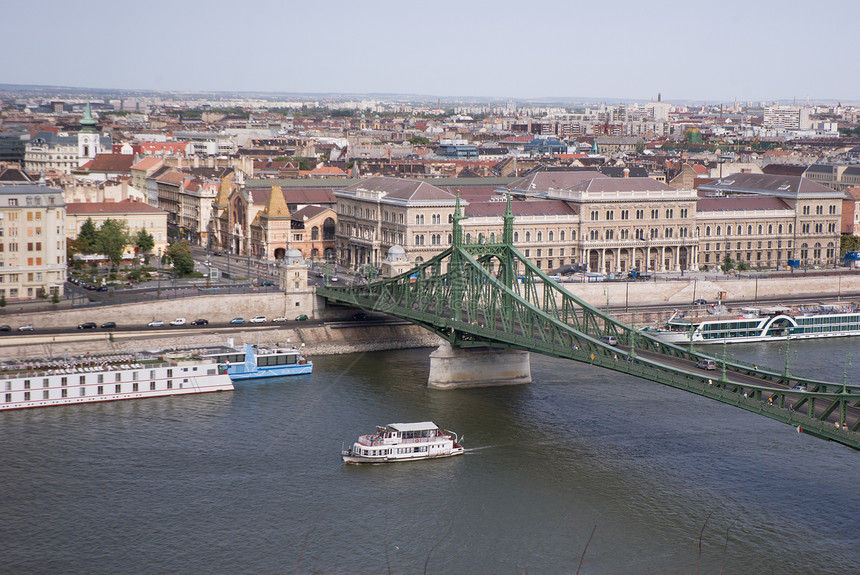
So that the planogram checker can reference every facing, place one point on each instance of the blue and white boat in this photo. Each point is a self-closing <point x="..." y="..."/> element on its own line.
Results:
<point x="260" y="362"/>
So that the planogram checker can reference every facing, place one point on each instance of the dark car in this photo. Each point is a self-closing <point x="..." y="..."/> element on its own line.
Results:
<point x="302" y="317"/>
<point x="700" y="301"/>
<point x="88" y="325"/>
<point x="266" y="283"/>
<point x="359" y="316"/>
<point x="237" y="320"/>
<point x="109" y="324"/>
<point x="5" y="328"/>
<point x="200" y="322"/>
<point x="102" y="288"/>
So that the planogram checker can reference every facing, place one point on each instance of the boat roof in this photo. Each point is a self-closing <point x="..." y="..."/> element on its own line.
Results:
<point x="419" y="426"/>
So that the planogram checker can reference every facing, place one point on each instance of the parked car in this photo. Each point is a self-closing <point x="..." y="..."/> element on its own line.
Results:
<point x="237" y="320"/>
<point x="279" y="319"/>
<point x="178" y="321"/>
<point x="709" y="364"/>
<point x="700" y="301"/>
<point x="609" y="339"/>
<point x="5" y="328"/>
<point x="302" y="317"/>
<point x="102" y="288"/>
<point x="109" y="325"/>
<point x="88" y="325"/>
<point x="266" y="283"/>
<point x="26" y="327"/>
<point x="258" y="319"/>
<point x="200" y="322"/>
<point x="359" y="316"/>
<point x="156" y="323"/>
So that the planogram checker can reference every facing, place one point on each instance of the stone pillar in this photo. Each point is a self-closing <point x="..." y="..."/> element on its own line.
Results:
<point x="477" y="367"/>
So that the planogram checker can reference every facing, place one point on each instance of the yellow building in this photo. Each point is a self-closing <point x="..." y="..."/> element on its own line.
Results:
<point x="32" y="241"/>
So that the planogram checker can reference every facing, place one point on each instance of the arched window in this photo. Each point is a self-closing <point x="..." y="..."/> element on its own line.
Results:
<point x="770" y="228"/>
<point x="719" y="230"/>
<point x="516" y="236"/>
<point x="707" y="230"/>
<point x="780" y="228"/>
<point x="550" y="236"/>
<point x="315" y="233"/>
<point x="493" y="237"/>
<point x="561" y="234"/>
<point x="468" y="238"/>
<point x="528" y="236"/>
<point x="760" y="229"/>
<point x="740" y="230"/>
<point x="540" y="236"/>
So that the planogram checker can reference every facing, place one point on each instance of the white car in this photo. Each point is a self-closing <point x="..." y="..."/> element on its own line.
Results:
<point x="178" y="321"/>
<point x="280" y="319"/>
<point x="258" y="319"/>
<point x="156" y="323"/>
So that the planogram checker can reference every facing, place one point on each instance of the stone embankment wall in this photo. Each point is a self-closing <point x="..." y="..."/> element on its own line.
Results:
<point x="215" y="308"/>
<point x="737" y="290"/>
<point x="318" y="340"/>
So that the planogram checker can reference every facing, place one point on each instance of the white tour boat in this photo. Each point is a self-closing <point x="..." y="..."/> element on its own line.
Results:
<point x="761" y="324"/>
<point x="88" y="379"/>
<point x="403" y="442"/>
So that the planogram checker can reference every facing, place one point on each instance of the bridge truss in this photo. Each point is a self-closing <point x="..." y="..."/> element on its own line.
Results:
<point x="489" y="295"/>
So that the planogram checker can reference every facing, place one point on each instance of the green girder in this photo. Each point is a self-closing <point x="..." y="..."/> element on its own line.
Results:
<point x="490" y="295"/>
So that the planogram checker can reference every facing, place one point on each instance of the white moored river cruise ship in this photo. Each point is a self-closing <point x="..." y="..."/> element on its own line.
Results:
<point x="87" y="379"/>
<point x="403" y="442"/>
<point x="762" y="324"/>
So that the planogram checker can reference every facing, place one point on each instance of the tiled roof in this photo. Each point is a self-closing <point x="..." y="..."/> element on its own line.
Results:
<point x="124" y="207"/>
<point x="111" y="163"/>
<point x="767" y="184"/>
<point x="147" y="164"/>
<point x="300" y="197"/>
<point x="397" y="188"/>
<point x="309" y="212"/>
<point x="740" y="203"/>
<point x="519" y="208"/>
<point x="554" y="180"/>
<point x="602" y="185"/>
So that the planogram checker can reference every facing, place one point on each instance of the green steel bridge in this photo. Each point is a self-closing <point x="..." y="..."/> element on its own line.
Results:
<point x="487" y="294"/>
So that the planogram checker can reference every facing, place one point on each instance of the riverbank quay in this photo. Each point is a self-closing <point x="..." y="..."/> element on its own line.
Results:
<point x="333" y="339"/>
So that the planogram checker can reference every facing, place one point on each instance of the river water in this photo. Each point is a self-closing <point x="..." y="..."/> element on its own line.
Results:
<point x="583" y="470"/>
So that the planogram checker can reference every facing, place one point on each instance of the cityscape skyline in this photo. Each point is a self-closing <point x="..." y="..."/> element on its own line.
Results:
<point x="740" y="52"/>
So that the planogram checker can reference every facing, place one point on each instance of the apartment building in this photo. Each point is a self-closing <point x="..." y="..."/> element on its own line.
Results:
<point x="32" y="241"/>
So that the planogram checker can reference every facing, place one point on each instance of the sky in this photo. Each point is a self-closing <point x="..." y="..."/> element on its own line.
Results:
<point x="719" y="51"/>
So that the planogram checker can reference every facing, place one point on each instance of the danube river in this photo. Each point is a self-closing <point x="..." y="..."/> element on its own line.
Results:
<point x="583" y="465"/>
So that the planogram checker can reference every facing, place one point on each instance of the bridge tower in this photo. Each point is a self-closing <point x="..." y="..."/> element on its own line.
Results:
<point x="451" y="367"/>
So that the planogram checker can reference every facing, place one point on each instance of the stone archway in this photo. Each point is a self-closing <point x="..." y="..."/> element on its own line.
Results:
<point x="279" y="253"/>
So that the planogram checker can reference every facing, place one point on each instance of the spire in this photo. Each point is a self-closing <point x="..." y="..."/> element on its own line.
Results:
<point x="457" y="235"/>
<point x="223" y="197"/>
<point x="277" y="205"/>
<point x="88" y="123"/>
<point x="508" y="227"/>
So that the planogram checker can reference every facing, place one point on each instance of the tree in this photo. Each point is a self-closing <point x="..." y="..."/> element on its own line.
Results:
<point x="179" y="252"/>
<point x="143" y="241"/>
<point x="728" y="264"/>
<point x="419" y="141"/>
<point x="87" y="238"/>
<point x="112" y="238"/>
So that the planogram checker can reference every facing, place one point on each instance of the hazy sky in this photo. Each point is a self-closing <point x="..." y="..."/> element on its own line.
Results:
<point x="689" y="50"/>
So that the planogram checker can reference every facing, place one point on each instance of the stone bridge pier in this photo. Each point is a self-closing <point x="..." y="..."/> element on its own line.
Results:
<point x="477" y="367"/>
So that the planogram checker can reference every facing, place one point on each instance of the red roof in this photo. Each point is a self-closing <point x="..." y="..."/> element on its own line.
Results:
<point x="124" y="207"/>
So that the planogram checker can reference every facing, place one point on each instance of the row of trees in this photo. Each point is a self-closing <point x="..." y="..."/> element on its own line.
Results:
<point x="110" y="240"/>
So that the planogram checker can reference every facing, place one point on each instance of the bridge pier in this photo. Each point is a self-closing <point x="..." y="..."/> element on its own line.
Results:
<point x="477" y="367"/>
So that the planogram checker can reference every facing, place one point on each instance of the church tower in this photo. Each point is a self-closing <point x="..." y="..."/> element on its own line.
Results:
<point x="89" y="142"/>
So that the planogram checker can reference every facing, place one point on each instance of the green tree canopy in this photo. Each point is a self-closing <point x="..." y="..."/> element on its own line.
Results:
<point x="419" y="141"/>
<point x="87" y="238"/>
<point x="728" y="264"/>
<point x="179" y="252"/>
<point x="112" y="238"/>
<point x="143" y="241"/>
